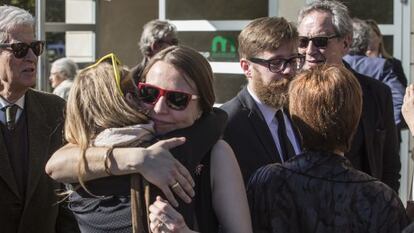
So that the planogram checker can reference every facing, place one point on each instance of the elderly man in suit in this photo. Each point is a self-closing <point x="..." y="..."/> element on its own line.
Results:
<point x="31" y="130"/>
<point x="325" y="35"/>
<point x="374" y="67"/>
<point x="156" y="36"/>
<point x="259" y="129"/>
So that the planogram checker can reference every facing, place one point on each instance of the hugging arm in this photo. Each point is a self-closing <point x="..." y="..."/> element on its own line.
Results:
<point x="155" y="163"/>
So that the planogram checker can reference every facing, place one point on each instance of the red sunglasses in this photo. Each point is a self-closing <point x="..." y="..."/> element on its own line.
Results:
<point x="176" y="100"/>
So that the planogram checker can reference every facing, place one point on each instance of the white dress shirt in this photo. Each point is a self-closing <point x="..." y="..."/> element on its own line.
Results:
<point x="268" y="113"/>
<point x="5" y="103"/>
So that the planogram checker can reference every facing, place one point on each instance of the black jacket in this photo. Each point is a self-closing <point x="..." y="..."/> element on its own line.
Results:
<point x="320" y="192"/>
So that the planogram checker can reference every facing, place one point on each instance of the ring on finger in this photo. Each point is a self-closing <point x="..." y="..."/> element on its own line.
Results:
<point x="175" y="185"/>
<point x="160" y="224"/>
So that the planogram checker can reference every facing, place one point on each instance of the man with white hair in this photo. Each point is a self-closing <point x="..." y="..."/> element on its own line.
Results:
<point x="325" y="36"/>
<point x="374" y="67"/>
<point x="156" y="36"/>
<point x="61" y="77"/>
<point x="31" y="125"/>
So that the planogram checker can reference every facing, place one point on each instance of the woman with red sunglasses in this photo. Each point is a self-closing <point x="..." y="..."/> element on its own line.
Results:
<point x="177" y="89"/>
<point x="183" y="102"/>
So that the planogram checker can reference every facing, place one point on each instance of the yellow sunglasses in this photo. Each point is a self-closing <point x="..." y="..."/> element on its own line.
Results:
<point x="115" y="65"/>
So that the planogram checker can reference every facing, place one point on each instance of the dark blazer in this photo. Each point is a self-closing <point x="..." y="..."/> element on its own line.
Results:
<point x="248" y="134"/>
<point x="382" y="70"/>
<point x="377" y="141"/>
<point x="38" y="211"/>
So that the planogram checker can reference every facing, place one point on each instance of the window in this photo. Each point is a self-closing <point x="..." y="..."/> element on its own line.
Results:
<point x="212" y="28"/>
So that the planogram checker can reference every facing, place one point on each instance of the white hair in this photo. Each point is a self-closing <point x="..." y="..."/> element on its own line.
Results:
<point x="11" y="17"/>
<point x="341" y="20"/>
<point x="66" y="67"/>
<point x="154" y="31"/>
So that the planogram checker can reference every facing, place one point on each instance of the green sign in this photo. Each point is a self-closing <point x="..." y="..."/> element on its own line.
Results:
<point x="223" y="47"/>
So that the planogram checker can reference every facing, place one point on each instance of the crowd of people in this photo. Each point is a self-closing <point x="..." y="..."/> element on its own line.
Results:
<point x="310" y="144"/>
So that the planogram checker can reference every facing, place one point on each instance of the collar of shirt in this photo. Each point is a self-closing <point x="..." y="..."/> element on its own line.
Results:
<point x="19" y="102"/>
<point x="271" y="121"/>
<point x="3" y="103"/>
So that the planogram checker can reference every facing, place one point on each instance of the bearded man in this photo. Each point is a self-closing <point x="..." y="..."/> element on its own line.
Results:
<point x="259" y="129"/>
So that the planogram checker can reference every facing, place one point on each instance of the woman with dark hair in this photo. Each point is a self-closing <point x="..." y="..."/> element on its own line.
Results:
<point x="318" y="190"/>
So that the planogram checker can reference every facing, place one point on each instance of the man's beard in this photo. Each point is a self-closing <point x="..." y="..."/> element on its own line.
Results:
<point x="274" y="94"/>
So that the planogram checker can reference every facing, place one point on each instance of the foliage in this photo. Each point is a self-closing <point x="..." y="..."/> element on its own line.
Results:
<point x="25" y="4"/>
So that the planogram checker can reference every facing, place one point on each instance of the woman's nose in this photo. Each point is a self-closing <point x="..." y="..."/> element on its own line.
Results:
<point x="161" y="105"/>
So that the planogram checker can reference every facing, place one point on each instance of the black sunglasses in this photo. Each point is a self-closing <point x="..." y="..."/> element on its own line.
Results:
<point x="278" y="65"/>
<point x="176" y="100"/>
<point x="20" y="50"/>
<point x="318" y="41"/>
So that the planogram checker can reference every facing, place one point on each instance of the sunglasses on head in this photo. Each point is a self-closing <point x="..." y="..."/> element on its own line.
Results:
<point x="176" y="100"/>
<point x="114" y="61"/>
<point x="21" y="49"/>
<point x="318" y="41"/>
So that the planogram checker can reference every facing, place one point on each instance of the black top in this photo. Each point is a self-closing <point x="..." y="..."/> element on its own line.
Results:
<point x="17" y="145"/>
<point x="320" y="192"/>
<point x="109" y="210"/>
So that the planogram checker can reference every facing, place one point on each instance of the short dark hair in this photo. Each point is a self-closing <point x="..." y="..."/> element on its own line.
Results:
<point x="325" y="104"/>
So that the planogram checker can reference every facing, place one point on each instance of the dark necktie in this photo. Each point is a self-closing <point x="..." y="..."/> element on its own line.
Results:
<point x="286" y="146"/>
<point x="10" y="115"/>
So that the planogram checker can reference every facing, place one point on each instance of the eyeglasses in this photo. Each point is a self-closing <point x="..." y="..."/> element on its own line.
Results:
<point x="278" y="65"/>
<point x="176" y="100"/>
<point x="21" y="49"/>
<point x="318" y="41"/>
<point x="113" y="59"/>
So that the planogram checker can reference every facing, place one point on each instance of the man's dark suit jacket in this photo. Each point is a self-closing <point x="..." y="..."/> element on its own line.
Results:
<point x="248" y="134"/>
<point x="382" y="70"/>
<point x="379" y="142"/>
<point x="38" y="211"/>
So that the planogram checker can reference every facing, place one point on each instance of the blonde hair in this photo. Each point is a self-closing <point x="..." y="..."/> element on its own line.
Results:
<point x="95" y="104"/>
